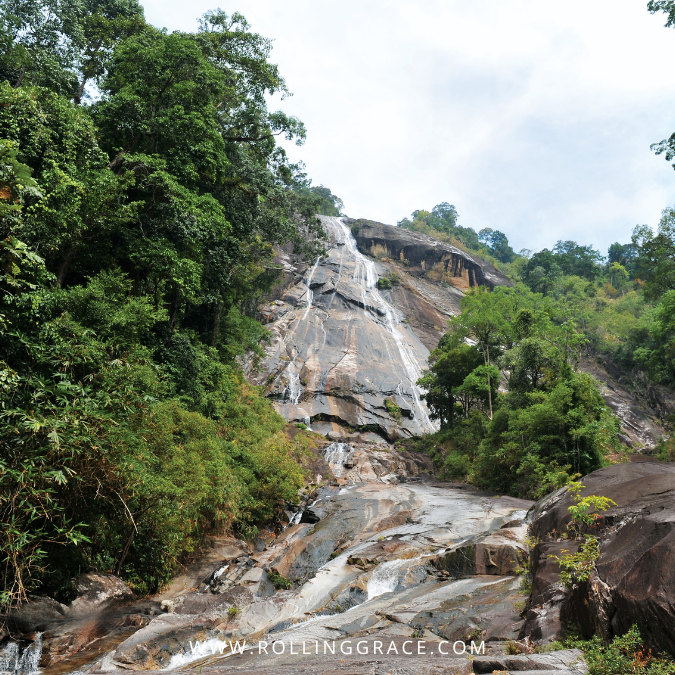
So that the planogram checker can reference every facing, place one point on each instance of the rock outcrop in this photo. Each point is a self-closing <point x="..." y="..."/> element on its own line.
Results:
<point x="642" y="412"/>
<point x="634" y="580"/>
<point x="425" y="256"/>
<point x="352" y="332"/>
<point x="341" y="351"/>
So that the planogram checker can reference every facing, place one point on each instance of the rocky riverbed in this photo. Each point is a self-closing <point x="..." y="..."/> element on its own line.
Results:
<point x="382" y="569"/>
<point x="381" y="553"/>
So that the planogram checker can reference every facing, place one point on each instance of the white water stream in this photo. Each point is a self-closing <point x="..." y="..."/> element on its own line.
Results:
<point x="324" y="341"/>
<point x="385" y="578"/>
<point x="336" y="454"/>
<point x="366" y="276"/>
<point x="11" y="661"/>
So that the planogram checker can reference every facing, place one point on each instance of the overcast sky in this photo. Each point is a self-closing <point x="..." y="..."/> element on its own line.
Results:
<point x="531" y="117"/>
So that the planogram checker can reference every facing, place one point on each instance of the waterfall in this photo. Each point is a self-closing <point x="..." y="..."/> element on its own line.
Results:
<point x="26" y="663"/>
<point x="9" y="658"/>
<point x="294" y="389"/>
<point x="336" y="454"/>
<point x="367" y="279"/>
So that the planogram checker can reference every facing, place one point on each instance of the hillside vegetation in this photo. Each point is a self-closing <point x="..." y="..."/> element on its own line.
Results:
<point x="141" y="195"/>
<point x="549" y="421"/>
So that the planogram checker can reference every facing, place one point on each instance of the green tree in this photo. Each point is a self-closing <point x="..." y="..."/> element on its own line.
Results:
<point x="136" y="233"/>
<point x="63" y="45"/>
<point x="450" y="364"/>
<point x="550" y="420"/>
<point x="441" y="222"/>
<point x="497" y="243"/>
<point x="656" y="261"/>
<point x="484" y="320"/>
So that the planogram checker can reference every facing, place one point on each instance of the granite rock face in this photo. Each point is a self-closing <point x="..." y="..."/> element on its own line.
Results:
<point x="341" y="351"/>
<point x="634" y="581"/>
<point x="348" y="343"/>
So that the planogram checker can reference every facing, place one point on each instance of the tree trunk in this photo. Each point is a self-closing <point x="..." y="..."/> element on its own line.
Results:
<point x="65" y="264"/>
<point x="174" y="311"/>
<point x="487" y="349"/>
<point x="78" y="97"/>
<point x="125" y="550"/>
<point x="216" y="323"/>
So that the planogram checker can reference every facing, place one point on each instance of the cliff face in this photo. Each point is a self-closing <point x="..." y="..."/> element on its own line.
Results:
<point x="424" y="256"/>
<point x="352" y="333"/>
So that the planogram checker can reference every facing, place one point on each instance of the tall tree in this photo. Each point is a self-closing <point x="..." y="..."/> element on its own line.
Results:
<point x="63" y="44"/>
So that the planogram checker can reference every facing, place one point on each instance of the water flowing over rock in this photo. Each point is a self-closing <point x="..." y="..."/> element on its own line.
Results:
<point x="342" y="352"/>
<point x="15" y="661"/>
<point x="368" y="566"/>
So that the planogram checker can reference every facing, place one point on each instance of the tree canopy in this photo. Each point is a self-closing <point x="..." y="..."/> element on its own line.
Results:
<point x="548" y="422"/>
<point x="142" y="195"/>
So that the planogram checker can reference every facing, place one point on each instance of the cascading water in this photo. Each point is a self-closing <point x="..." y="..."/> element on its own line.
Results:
<point x="367" y="279"/>
<point x="11" y="661"/>
<point x="340" y="350"/>
<point x="385" y="578"/>
<point x="9" y="658"/>
<point x="336" y="454"/>
<point x="294" y="389"/>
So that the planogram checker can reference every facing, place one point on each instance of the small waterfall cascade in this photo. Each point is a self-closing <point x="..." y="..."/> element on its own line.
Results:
<point x="336" y="454"/>
<point x="385" y="577"/>
<point x="294" y="388"/>
<point x="11" y="661"/>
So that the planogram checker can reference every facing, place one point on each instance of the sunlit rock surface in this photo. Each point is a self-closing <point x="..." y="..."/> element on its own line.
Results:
<point x="341" y="350"/>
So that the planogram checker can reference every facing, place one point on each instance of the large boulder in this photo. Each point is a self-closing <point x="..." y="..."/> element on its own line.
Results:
<point x="634" y="580"/>
<point x="96" y="588"/>
<point x="36" y="614"/>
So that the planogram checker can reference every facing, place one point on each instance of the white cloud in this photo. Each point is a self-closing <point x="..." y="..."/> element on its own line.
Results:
<point x="534" y="118"/>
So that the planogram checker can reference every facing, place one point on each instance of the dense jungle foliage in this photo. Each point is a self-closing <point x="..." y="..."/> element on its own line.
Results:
<point x="141" y="193"/>
<point x="549" y="421"/>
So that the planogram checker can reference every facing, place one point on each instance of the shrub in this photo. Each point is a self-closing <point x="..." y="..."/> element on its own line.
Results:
<point x="278" y="581"/>
<point x="392" y="409"/>
<point x="624" y="655"/>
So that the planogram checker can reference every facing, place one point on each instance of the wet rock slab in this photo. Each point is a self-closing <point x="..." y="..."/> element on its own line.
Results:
<point x="365" y="569"/>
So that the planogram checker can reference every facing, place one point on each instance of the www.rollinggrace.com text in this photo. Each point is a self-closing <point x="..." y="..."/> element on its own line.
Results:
<point x="313" y="647"/>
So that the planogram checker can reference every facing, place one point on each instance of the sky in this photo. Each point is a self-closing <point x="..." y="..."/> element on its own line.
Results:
<point x="534" y="118"/>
